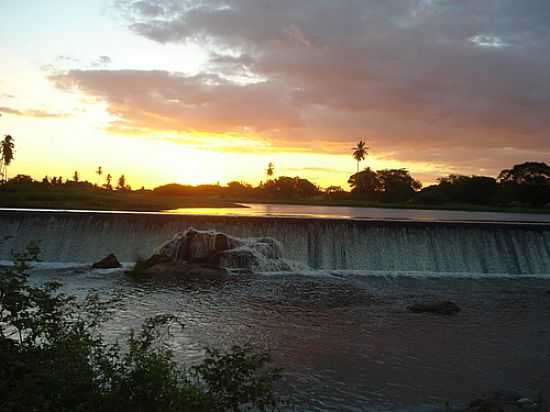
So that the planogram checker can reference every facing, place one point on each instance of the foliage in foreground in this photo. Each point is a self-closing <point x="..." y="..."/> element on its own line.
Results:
<point x="54" y="358"/>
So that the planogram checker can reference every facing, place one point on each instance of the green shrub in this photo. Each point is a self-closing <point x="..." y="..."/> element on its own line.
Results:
<point x="53" y="357"/>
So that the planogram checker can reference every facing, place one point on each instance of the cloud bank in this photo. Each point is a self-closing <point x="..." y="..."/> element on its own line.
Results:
<point x="423" y="80"/>
<point x="36" y="113"/>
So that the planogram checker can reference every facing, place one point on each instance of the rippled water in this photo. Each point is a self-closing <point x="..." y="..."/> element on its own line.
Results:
<point x="346" y="342"/>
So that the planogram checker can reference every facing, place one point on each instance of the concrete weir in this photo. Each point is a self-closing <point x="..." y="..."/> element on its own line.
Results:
<point x="504" y="248"/>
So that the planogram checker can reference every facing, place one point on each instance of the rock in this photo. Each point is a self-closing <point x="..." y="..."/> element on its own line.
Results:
<point x="441" y="308"/>
<point x="211" y="252"/>
<point x="108" y="262"/>
<point x="234" y="258"/>
<point x="221" y="250"/>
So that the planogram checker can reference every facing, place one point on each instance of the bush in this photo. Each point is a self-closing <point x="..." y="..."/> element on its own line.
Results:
<point x="53" y="357"/>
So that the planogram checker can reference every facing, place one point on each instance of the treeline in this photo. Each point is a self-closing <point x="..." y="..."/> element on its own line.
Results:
<point x="524" y="185"/>
<point x="21" y="181"/>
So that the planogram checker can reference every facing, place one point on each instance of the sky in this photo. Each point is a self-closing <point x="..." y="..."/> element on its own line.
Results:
<point x="206" y="91"/>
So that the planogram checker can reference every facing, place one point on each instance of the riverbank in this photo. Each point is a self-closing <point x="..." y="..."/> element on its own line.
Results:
<point x="132" y="201"/>
<point x="146" y="201"/>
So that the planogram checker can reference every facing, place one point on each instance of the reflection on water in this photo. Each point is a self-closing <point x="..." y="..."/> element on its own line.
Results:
<point x="347" y="343"/>
<point x="363" y="213"/>
<point x="331" y="212"/>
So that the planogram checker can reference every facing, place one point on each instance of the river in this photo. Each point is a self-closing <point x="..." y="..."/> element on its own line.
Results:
<point x="339" y="327"/>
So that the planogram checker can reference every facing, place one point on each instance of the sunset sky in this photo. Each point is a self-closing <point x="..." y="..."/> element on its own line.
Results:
<point x="201" y="91"/>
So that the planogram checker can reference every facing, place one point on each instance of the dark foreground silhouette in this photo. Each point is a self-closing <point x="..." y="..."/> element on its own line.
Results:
<point x="53" y="357"/>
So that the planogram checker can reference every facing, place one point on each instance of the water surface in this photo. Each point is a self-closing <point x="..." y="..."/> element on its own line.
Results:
<point x="365" y="213"/>
<point x="346" y="341"/>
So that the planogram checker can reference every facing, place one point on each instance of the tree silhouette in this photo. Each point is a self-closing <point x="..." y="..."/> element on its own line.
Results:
<point x="528" y="173"/>
<point x="76" y="176"/>
<point x="121" y="183"/>
<point x="99" y="172"/>
<point x="397" y="185"/>
<point x="365" y="184"/>
<point x="7" y="147"/>
<point x="108" y="180"/>
<point x="270" y="171"/>
<point x="360" y="152"/>
<point x="528" y="182"/>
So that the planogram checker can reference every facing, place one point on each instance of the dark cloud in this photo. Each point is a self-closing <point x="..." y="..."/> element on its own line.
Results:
<point x="67" y="59"/>
<point x="102" y="61"/>
<point x="421" y="79"/>
<point x="37" y="113"/>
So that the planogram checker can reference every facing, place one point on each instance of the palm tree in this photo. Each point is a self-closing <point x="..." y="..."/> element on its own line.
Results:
<point x="360" y="152"/>
<point x="270" y="171"/>
<point x="121" y="183"/>
<point x="108" y="179"/>
<point x="7" y="154"/>
<point x="99" y="172"/>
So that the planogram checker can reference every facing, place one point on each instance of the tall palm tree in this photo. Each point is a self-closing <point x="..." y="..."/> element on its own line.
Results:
<point x="108" y="181"/>
<point x="7" y="151"/>
<point x="360" y="152"/>
<point x="270" y="171"/>
<point x="99" y="172"/>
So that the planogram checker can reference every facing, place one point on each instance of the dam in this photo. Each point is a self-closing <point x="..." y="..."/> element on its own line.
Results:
<point x="321" y="244"/>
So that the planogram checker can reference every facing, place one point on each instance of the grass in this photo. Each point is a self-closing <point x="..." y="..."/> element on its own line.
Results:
<point x="102" y="200"/>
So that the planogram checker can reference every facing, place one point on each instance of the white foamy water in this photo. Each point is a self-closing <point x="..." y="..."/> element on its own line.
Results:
<point x="320" y="244"/>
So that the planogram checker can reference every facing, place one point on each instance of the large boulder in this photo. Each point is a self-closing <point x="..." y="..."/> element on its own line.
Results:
<point x="211" y="250"/>
<point x="441" y="307"/>
<point x="197" y="246"/>
<point x="108" y="262"/>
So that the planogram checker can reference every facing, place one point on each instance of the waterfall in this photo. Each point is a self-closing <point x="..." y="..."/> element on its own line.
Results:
<point x="321" y="244"/>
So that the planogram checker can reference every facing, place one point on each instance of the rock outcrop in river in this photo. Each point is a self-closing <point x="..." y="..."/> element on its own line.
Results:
<point x="211" y="252"/>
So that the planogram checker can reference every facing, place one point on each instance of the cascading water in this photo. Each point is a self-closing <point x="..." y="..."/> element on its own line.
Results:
<point x="320" y="244"/>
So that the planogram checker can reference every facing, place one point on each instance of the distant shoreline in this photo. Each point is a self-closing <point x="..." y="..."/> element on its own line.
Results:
<point x="84" y="196"/>
<point x="107" y="201"/>
<point x="133" y="202"/>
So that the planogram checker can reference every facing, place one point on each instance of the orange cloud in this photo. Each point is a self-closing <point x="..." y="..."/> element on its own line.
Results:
<point x="312" y="76"/>
<point x="36" y="113"/>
